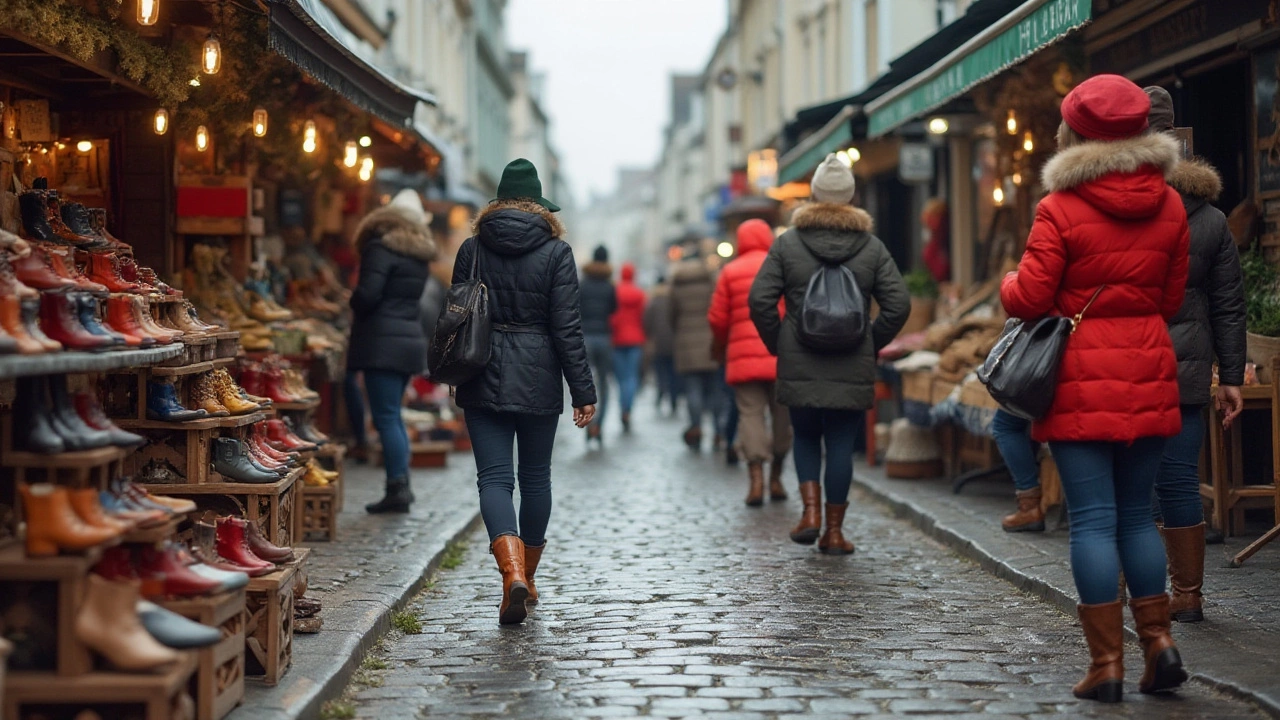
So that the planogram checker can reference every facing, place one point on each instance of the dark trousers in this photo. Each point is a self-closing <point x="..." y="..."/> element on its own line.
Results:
<point x="1178" y="484"/>
<point x="1013" y="437"/>
<point x="835" y="430"/>
<point x="353" y="398"/>
<point x="386" y="394"/>
<point x="492" y="437"/>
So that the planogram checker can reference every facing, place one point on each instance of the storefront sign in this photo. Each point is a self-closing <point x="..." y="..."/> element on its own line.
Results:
<point x="915" y="163"/>
<point x="1203" y="20"/>
<point x="33" y="121"/>
<point x="978" y="60"/>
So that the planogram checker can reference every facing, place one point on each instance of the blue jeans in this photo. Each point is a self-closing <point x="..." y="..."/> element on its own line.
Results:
<point x="386" y="392"/>
<point x="353" y="398"/>
<point x="664" y="370"/>
<point x="1108" y="489"/>
<point x="1178" y="484"/>
<point x="492" y="436"/>
<point x="1013" y="437"/>
<point x="702" y="395"/>
<point x="626" y="367"/>
<point x="814" y="428"/>
<point x="600" y="358"/>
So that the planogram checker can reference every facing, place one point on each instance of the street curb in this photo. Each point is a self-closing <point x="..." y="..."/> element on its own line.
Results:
<point x="1063" y="599"/>
<point x="332" y="686"/>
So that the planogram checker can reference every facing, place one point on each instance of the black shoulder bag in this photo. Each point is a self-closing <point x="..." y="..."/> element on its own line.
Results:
<point x="460" y="346"/>
<point x="1021" y="371"/>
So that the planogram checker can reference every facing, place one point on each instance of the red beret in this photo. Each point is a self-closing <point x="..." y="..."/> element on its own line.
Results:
<point x="1106" y="107"/>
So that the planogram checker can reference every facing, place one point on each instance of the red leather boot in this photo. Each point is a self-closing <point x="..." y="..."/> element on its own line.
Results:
<point x="37" y="271"/>
<point x="61" y="323"/>
<point x="165" y="564"/>
<point x="64" y="263"/>
<point x="120" y="318"/>
<point x="251" y="378"/>
<point x="233" y="544"/>
<point x="281" y="438"/>
<point x="104" y="268"/>
<point x="273" y="385"/>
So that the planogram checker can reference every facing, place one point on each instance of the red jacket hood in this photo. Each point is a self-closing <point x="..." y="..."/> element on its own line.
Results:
<point x="754" y="236"/>
<point x="1124" y="179"/>
<point x="628" y="272"/>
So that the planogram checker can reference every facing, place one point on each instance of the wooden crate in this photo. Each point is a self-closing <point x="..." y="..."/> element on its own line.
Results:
<point x="110" y="694"/>
<point x="269" y="622"/>
<point x="333" y="456"/>
<point x="273" y="506"/>
<point x="218" y="685"/>
<point x="429" y="454"/>
<point x="67" y="573"/>
<point x="320" y="512"/>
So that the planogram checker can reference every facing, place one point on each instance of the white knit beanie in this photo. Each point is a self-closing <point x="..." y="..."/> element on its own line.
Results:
<point x="409" y="202"/>
<point x="832" y="182"/>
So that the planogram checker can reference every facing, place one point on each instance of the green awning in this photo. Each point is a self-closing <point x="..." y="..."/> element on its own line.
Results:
<point x="1034" y="25"/>
<point x="803" y="158"/>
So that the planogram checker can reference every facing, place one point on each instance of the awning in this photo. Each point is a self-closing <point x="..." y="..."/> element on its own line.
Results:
<point x="309" y="35"/>
<point x="835" y="135"/>
<point x="1034" y="25"/>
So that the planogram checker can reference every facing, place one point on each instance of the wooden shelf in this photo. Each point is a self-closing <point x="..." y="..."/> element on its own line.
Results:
<point x="79" y="459"/>
<point x="234" y="421"/>
<point x="231" y="488"/>
<point x="98" y="687"/>
<point x="57" y="363"/>
<point x="311" y="404"/>
<point x="155" y="534"/>
<point x="16" y="566"/>
<point x="200" y="367"/>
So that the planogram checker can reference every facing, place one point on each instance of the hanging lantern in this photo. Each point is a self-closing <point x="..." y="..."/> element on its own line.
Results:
<point x="351" y="154"/>
<point x="1028" y="144"/>
<point x="148" y="12"/>
<point x="366" y="169"/>
<point x="202" y="138"/>
<point x="260" y="122"/>
<point x="211" y="56"/>
<point x="1011" y="124"/>
<point x="160" y="123"/>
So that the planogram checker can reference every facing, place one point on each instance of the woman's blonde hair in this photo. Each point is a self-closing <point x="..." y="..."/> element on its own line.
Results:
<point x="1068" y="137"/>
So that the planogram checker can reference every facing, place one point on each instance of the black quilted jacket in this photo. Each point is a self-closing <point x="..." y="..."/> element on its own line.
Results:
<point x="533" y="302"/>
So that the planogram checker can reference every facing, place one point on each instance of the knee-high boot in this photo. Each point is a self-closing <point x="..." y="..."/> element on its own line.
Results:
<point x="1103" y="627"/>
<point x="508" y="550"/>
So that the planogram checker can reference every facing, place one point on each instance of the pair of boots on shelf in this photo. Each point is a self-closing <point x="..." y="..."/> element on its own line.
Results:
<point x="274" y="378"/>
<point x="219" y="396"/>
<point x="755" y="475"/>
<point x="236" y="544"/>
<point x="518" y="563"/>
<point x="832" y="540"/>
<point x="49" y="420"/>
<point x="263" y="308"/>
<point x="133" y="634"/>
<point x="247" y="461"/>
<point x="61" y="519"/>
<point x="167" y="570"/>
<point x="316" y="476"/>
<point x="280" y="435"/>
<point x="46" y="217"/>
<point x="306" y="298"/>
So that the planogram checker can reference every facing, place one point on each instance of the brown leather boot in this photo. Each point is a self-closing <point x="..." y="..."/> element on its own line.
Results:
<point x="1103" y="627"/>
<point x="52" y="524"/>
<point x="532" y="556"/>
<point x="755" y="492"/>
<point x="508" y="550"/>
<point x="1185" y="547"/>
<point x="1029" y="517"/>
<point x="1163" y="663"/>
<point x="806" y="533"/>
<point x="776" y="490"/>
<point x="833" y="542"/>
<point x="108" y="624"/>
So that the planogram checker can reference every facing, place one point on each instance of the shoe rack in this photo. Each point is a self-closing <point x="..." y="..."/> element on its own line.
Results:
<point x="219" y="680"/>
<point x="321" y="504"/>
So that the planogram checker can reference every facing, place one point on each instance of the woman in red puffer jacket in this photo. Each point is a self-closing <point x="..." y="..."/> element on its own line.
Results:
<point x="750" y="368"/>
<point x="1111" y="228"/>
<point x="627" y="323"/>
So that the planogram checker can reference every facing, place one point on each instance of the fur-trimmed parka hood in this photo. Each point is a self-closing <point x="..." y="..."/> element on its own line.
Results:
<point x="514" y="227"/>
<point x="1196" y="179"/>
<point x="396" y="231"/>
<point x="598" y="270"/>
<point x="1123" y="178"/>
<point x="831" y="231"/>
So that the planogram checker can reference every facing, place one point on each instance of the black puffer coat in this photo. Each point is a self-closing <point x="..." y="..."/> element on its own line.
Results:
<point x="386" y="330"/>
<point x="599" y="298"/>
<point x="533" y="303"/>
<point x="1211" y="320"/>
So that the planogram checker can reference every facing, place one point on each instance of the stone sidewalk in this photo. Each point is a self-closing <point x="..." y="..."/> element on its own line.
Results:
<point x="1234" y="649"/>
<point x="375" y="566"/>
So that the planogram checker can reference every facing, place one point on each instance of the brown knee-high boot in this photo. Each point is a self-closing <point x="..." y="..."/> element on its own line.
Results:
<point x="806" y="533"/>
<point x="1103" y="627"/>
<point x="1185" y="547"/>
<point x="1162" y="662"/>
<point x="755" y="491"/>
<point x="508" y="550"/>
<point x="532" y="556"/>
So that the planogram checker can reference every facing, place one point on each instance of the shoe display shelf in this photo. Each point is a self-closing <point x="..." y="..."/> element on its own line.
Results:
<point x="60" y="583"/>
<point x="333" y="457"/>
<point x="218" y="684"/>
<point x="269" y="619"/>
<point x="57" y="363"/>
<point x="272" y="506"/>
<point x="159" y="696"/>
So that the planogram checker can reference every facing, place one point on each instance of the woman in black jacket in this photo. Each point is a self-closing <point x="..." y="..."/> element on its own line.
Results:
<point x="387" y="343"/>
<point x="1210" y="324"/>
<point x="537" y="341"/>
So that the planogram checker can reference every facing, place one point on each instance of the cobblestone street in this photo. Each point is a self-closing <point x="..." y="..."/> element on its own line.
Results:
<point x="664" y="595"/>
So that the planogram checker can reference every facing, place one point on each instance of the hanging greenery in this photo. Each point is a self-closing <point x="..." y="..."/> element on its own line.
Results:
<point x="82" y="34"/>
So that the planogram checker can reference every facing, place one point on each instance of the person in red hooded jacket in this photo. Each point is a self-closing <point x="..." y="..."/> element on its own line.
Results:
<point x="750" y="368"/>
<point x="627" y="323"/>
<point x="1110" y="243"/>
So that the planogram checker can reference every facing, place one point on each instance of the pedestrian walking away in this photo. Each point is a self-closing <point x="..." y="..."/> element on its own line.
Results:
<point x="764" y="425"/>
<point x="1112" y="230"/>
<point x="599" y="302"/>
<point x="825" y="391"/>
<point x="537" y="345"/>
<point x="1012" y="435"/>
<point x="628" y="340"/>
<point x="691" y="288"/>
<point x="661" y="334"/>
<point x="1210" y="325"/>
<point x="387" y="343"/>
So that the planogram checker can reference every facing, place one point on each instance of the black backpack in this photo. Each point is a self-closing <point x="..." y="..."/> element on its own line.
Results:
<point x="460" y="346"/>
<point x="833" y="317"/>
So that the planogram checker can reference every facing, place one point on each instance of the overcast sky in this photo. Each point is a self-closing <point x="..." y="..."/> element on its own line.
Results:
<point x="607" y="64"/>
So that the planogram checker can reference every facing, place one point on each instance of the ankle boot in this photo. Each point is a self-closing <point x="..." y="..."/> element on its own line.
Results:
<point x="1162" y="662"/>
<point x="231" y="459"/>
<point x="776" y="490"/>
<point x="202" y="397"/>
<point x="264" y="548"/>
<point x="88" y="508"/>
<point x="11" y="321"/>
<point x="232" y="543"/>
<point x="755" y="491"/>
<point x="31" y="323"/>
<point x="36" y="433"/>
<point x="806" y="533"/>
<point x="52" y="524"/>
<point x="105" y="269"/>
<point x="64" y="263"/>
<point x="508" y="550"/>
<point x="36" y="270"/>
<point x="76" y="434"/>
<point x="1029" y="517"/>
<point x="833" y="542"/>
<point x="163" y="405"/>
<point x="120" y="317"/>
<point x="532" y="556"/>
<point x="282" y="438"/>
<point x="142" y="310"/>
<point x="61" y="322"/>
<point x="397" y="498"/>
<point x="1103" y="627"/>
<point x="87" y="312"/>
<point x="108" y="624"/>
<point x="90" y="411"/>
<point x="98" y="221"/>
<point x="228" y="393"/>
<point x="1185" y="547"/>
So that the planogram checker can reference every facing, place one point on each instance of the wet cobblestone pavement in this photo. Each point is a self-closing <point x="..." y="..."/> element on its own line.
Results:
<point x="664" y="595"/>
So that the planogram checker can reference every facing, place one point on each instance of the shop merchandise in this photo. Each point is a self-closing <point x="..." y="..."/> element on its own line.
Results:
<point x="231" y="459"/>
<point x="307" y="431"/>
<point x="174" y="631"/>
<point x="281" y="437"/>
<point x="163" y="405"/>
<point x="108" y="624"/>
<point x="53" y="525"/>
<point x="233" y="544"/>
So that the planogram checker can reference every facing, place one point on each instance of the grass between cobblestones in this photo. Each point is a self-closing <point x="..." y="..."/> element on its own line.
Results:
<point x="454" y="553"/>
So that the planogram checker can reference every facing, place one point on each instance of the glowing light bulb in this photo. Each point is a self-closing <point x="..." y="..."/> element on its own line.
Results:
<point x="308" y="146"/>
<point x="725" y="249"/>
<point x="351" y="154"/>
<point x="202" y="138"/>
<point x="160" y="123"/>
<point x="1017" y="178"/>
<point x="939" y="126"/>
<point x="84" y="146"/>
<point x="997" y="196"/>
<point x="211" y="56"/>
<point x="844" y="158"/>
<point x="148" y="12"/>
<point x="366" y="141"/>
<point x="260" y="122"/>
<point x="366" y="169"/>
<point x="194" y="82"/>
<point x="1011" y="124"/>
<point x="309" y="130"/>
<point x="1028" y="143"/>
<point x="854" y="155"/>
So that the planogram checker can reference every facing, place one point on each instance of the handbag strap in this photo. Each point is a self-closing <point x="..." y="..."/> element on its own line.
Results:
<point x="1075" y="321"/>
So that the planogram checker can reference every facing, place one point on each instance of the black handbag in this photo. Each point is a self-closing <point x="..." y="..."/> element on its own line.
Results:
<point x="1021" y="371"/>
<point x="461" y="344"/>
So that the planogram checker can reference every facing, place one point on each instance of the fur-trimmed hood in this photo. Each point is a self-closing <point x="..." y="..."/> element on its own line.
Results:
<point x="514" y="227"/>
<point x="831" y="231"/>
<point x="1124" y="178"/>
<point x="398" y="232"/>
<point x="598" y="270"/>
<point x="1196" y="178"/>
